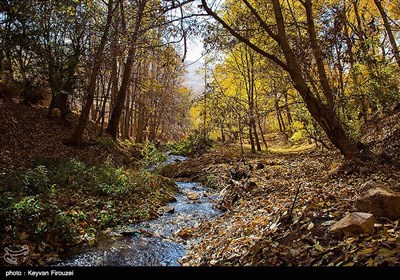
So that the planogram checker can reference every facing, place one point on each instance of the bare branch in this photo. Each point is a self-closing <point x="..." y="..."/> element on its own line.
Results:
<point x="262" y="22"/>
<point x="243" y="39"/>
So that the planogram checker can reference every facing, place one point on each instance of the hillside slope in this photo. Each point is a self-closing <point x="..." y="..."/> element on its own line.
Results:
<point x="27" y="135"/>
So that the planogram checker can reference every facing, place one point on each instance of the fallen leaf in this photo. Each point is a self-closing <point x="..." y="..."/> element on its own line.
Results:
<point x="23" y="236"/>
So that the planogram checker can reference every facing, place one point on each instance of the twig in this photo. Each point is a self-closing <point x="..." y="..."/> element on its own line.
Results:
<point x="289" y="217"/>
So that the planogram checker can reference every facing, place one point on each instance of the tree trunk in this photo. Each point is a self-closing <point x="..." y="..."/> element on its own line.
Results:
<point x="318" y="56"/>
<point x="256" y="139"/>
<point x="119" y="103"/>
<point x="323" y="114"/>
<point x="76" y="138"/>
<point x="386" y="23"/>
<point x="262" y="133"/>
<point x="103" y="109"/>
<point x="59" y="101"/>
<point x="140" y="124"/>
<point x="223" y="139"/>
<point x="251" y="138"/>
<point x="278" y="116"/>
<point x="288" y="113"/>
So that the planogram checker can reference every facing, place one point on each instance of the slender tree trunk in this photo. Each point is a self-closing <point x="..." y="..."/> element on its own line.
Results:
<point x="251" y="138"/>
<point x="103" y="108"/>
<point x="119" y="103"/>
<point x="140" y="124"/>
<point x="288" y="113"/>
<point x="278" y="116"/>
<point x="262" y="133"/>
<point x="318" y="56"/>
<point x="76" y="138"/>
<point x="386" y="23"/>
<point x="223" y="139"/>
<point x="256" y="139"/>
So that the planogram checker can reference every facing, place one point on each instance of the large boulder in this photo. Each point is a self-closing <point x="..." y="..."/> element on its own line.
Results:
<point x="354" y="224"/>
<point x="380" y="202"/>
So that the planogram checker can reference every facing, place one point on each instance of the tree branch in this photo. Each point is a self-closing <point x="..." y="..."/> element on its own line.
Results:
<point x="243" y="39"/>
<point x="262" y="22"/>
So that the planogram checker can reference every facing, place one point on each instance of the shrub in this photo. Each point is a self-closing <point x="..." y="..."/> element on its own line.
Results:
<point x="37" y="180"/>
<point x="151" y="154"/>
<point x="28" y="208"/>
<point x="192" y="144"/>
<point x="64" y="227"/>
<point x="106" y="142"/>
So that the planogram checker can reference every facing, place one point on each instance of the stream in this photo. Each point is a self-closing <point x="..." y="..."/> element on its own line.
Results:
<point x="154" y="242"/>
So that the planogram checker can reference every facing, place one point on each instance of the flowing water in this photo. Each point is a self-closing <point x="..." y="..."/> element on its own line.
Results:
<point x="154" y="243"/>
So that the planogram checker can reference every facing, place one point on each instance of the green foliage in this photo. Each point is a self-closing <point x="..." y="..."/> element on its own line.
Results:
<point x="193" y="143"/>
<point x="7" y="200"/>
<point x="106" y="142"/>
<point x="106" y="218"/>
<point x="147" y="152"/>
<point x="37" y="180"/>
<point x="27" y="208"/>
<point x="65" y="228"/>
<point x="298" y="132"/>
<point x="151" y="154"/>
<point x="211" y="182"/>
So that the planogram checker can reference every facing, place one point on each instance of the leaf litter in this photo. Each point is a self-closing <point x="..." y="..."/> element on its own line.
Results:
<point x="265" y="225"/>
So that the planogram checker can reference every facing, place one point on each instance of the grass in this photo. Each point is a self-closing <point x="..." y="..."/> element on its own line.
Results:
<point x="292" y="149"/>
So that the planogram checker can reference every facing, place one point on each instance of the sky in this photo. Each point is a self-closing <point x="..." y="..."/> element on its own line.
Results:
<point x="194" y="61"/>
<point x="194" y="49"/>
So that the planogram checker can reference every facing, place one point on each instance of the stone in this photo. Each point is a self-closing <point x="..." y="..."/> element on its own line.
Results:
<point x="55" y="113"/>
<point x="185" y="233"/>
<point x="193" y="196"/>
<point x="248" y="186"/>
<point x="371" y="184"/>
<point x="259" y="165"/>
<point x="380" y="202"/>
<point x="354" y="224"/>
<point x="165" y="209"/>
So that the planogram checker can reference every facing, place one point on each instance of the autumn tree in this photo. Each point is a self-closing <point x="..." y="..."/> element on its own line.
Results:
<point x="273" y="20"/>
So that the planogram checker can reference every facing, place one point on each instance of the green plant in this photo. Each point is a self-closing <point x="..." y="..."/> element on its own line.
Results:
<point x="151" y="155"/>
<point x="37" y="180"/>
<point x="77" y="216"/>
<point x="105" y="218"/>
<point x="211" y="182"/>
<point x="53" y="190"/>
<point x="106" y="142"/>
<point x="41" y="227"/>
<point x="64" y="227"/>
<point x="193" y="143"/>
<point x="29" y="205"/>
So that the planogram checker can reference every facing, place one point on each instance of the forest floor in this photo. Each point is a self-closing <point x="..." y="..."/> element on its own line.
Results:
<point x="259" y="196"/>
<point x="28" y="135"/>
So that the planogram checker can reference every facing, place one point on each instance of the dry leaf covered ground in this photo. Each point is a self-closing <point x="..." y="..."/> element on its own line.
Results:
<point x="28" y="135"/>
<point x="266" y="224"/>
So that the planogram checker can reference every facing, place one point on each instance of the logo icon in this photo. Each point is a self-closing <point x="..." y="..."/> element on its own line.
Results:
<point x="16" y="256"/>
